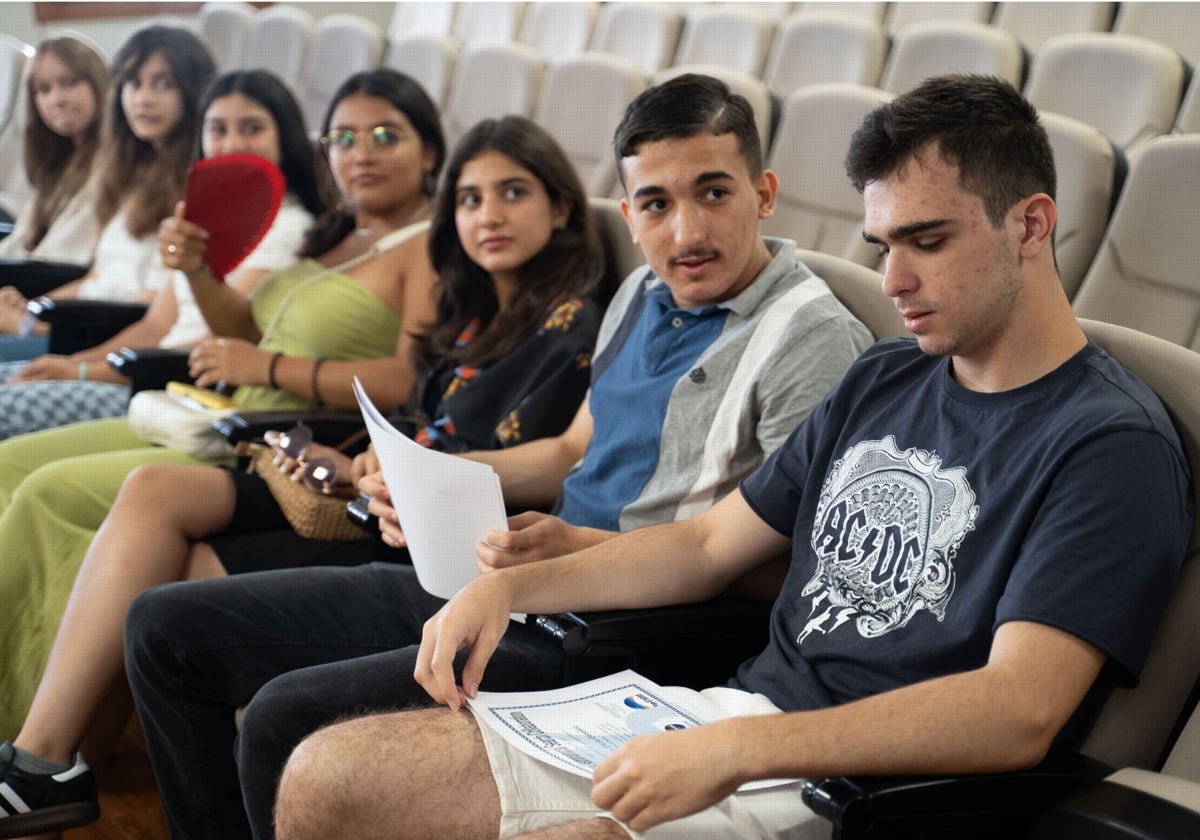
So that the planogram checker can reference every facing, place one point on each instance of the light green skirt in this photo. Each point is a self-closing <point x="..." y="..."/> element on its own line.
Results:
<point x="56" y="487"/>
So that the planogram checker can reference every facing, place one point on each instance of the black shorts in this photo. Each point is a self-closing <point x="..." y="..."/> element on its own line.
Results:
<point x="259" y="538"/>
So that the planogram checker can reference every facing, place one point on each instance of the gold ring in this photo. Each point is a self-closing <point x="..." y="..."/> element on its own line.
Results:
<point x="171" y="249"/>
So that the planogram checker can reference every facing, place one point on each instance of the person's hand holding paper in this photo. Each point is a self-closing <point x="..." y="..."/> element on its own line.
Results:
<point x="447" y="504"/>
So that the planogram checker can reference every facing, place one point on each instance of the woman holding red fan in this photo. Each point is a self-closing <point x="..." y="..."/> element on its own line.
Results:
<point x="360" y="292"/>
<point x="506" y="361"/>
<point x="159" y="75"/>
<point x="244" y="112"/>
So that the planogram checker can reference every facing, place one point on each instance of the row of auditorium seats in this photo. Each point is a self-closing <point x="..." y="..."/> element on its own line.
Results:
<point x="580" y="99"/>
<point x="811" y="45"/>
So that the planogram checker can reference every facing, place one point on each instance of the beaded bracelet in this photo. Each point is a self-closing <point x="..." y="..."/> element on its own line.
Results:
<point x="316" y="392"/>
<point x="271" y="371"/>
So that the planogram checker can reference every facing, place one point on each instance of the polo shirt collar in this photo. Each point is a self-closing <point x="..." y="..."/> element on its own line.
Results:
<point x="783" y="262"/>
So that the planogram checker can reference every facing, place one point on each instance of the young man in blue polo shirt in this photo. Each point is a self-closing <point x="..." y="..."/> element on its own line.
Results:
<point x="966" y="518"/>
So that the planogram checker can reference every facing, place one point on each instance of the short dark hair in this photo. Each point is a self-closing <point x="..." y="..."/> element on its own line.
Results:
<point x="571" y="263"/>
<point x="981" y="124"/>
<point x="685" y="106"/>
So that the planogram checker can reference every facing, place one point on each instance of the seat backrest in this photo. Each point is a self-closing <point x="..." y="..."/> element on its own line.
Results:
<point x="559" y="30"/>
<point x="727" y="37"/>
<point x="814" y="49"/>
<point x="14" y="64"/>
<point x="1135" y="725"/>
<point x="1188" y="119"/>
<point x="1144" y="275"/>
<point x="1090" y="172"/>
<point x="774" y="11"/>
<point x="490" y="81"/>
<point x="816" y="204"/>
<point x="279" y="43"/>
<point x="1176" y="25"/>
<point x="1033" y="23"/>
<point x="429" y="59"/>
<point x="644" y="33"/>
<point x="14" y="59"/>
<point x="874" y="12"/>
<point x="424" y="18"/>
<point x="1128" y="87"/>
<point x="900" y="15"/>
<point x="859" y="289"/>
<point x="226" y="29"/>
<point x="623" y="254"/>
<point x="477" y="23"/>
<point x="1183" y="760"/>
<point x="582" y="100"/>
<point x="934" y="47"/>
<point x="345" y="45"/>
<point x="753" y="88"/>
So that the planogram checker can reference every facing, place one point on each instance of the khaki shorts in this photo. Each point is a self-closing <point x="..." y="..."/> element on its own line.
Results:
<point x="534" y="795"/>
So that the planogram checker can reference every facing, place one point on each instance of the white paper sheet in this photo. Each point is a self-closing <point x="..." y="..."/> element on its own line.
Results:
<point x="445" y="503"/>
<point x="576" y="727"/>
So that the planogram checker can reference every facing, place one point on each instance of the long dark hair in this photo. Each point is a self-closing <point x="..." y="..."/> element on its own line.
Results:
<point x="297" y="157"/>
<point x="131" y="171"/>
<point x="571" y="263"/>
<point x="408" y="97"/>
<point x="57" y="168"/>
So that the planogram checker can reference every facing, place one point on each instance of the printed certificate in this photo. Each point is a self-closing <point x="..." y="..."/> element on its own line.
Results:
<point x="575" y="728"/>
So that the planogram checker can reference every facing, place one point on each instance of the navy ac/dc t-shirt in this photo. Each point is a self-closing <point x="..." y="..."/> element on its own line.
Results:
<point x="924" y="515"/>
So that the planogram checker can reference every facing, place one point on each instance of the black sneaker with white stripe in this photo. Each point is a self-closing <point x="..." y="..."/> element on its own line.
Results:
<point x="31" y="803"/>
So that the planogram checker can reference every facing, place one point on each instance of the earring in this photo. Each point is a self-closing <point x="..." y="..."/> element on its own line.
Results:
<point x="429" y="183"/>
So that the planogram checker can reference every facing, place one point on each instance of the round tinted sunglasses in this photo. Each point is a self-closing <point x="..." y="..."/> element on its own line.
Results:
<point x="317" y="474"/>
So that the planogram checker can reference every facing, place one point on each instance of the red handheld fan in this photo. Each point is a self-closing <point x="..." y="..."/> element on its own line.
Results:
<point x="234" y="198"/>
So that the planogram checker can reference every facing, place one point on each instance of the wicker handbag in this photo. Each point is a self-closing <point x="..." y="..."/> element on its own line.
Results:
<point x="311" y="514"/>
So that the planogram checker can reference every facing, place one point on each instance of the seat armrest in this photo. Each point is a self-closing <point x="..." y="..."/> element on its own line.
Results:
<point x="34" y="278"/>
<point x="979" y="805"/>
<point x="329" y="427"/>
<point x="593" y="632"/>
<point x="1109" y="810"/>
<point x="694" y="645"/>
<point x="356" y="512"/>
<point x="150" y="368"/>
<point x="79" y="324"/>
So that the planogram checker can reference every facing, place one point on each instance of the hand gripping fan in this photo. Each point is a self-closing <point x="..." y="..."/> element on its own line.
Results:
<point x="234" y="198"/>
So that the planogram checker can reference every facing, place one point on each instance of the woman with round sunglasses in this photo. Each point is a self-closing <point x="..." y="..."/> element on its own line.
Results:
<point x="244" y="112"/>
<point x="297" y="343"/>
<point x="65" y="91"/>
<point x="507" y="360"/>
<point x="159" y="75"/>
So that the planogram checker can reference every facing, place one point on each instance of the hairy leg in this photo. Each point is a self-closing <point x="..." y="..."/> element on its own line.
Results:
<point x="594" y="829"/>
<point x="145" y="540"/>
<point x="408" y="774"/>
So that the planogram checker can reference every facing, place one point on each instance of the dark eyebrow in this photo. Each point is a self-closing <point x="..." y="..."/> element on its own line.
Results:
<point x="504" y="182"/>
<point x="642" y="192"/>
<point x="905" y="231"/>
<point x="700" y="180"/>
